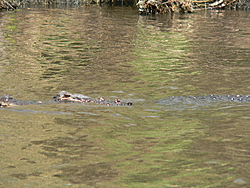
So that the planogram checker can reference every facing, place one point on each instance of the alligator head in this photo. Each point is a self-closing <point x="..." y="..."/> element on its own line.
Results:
<point x="69" y="97"/>
<point x="65" y="96"/>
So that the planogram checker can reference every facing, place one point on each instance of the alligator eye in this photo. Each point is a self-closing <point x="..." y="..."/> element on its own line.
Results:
<point x="67" y="95"/>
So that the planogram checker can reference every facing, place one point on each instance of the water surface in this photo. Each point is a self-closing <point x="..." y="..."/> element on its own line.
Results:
<point x="115" y="53"/>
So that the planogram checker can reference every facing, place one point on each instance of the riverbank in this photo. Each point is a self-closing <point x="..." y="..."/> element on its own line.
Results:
<point x="159" y="6"/>
<point x="144" y="6"/>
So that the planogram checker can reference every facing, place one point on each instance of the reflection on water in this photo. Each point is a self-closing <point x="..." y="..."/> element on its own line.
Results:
<point x="115" y="53"/>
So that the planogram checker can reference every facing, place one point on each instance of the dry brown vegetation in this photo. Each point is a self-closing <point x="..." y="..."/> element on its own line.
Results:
<point x="8" y="4"/>
<point x="163" y="6"/>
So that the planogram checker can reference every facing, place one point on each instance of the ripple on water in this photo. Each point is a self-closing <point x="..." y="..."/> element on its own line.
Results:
<point x="240" y="181"/>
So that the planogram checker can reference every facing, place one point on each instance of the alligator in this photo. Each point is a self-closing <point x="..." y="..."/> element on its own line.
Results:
<point x="67" y="97"/>
<point x="62" y="97"/>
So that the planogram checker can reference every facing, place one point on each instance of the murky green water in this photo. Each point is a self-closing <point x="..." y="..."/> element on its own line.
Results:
<point x="115" y="53"/>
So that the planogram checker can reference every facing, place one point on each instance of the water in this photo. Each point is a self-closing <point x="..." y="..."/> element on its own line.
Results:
<point x="115" y="53"/>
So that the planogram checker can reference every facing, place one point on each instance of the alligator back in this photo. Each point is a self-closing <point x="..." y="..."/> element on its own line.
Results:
<point x="203" y="99"/>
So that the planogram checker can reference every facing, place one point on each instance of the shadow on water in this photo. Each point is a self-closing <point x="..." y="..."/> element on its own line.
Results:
<point x="115" y="53"/>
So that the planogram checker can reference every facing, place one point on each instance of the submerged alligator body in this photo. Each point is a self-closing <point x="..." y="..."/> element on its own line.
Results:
<point x="194" y="102"/>
<point x="62" y="97"/>
<point x="66" y="97"/>
<point x="205" y="98"/>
